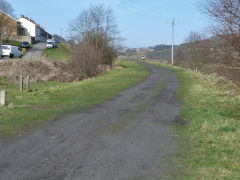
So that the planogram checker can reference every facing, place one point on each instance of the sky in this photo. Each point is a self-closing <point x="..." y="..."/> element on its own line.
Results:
<point x="142" y="23"/>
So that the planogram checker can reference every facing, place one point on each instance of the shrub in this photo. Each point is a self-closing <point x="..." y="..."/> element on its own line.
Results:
<point x="12" y="42"/>
<point x="85" y="61"/>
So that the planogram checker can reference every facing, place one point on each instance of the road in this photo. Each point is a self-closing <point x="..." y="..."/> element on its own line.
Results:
<point x="127" y="138"/>
<point x="35" y="51"/>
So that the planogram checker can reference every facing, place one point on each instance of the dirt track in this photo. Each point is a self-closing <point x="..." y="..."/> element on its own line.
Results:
<point x="129" y="137"/>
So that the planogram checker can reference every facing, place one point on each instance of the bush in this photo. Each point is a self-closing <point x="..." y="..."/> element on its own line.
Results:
<point x="109" y="54"/>
<point x="12" y="42"/>
<point x="96" y="25"/>
<point x="103" y="46"/>
<point x="85" y="61"/>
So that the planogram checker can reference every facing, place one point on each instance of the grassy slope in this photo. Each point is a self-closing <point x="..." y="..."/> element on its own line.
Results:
<point x="51" y="99"/>
<point x="211" y="130"/>
<point x="60" y="53"/>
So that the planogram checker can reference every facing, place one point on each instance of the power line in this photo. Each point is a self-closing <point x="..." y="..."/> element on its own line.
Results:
<point x="141" y="9"/>
<point x="151" y="11"/>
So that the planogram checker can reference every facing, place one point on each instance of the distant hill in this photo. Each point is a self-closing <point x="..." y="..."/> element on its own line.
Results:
<point x="160" y="47"/>
<point x="161" y="52"/>
<point x="164" y="52"/>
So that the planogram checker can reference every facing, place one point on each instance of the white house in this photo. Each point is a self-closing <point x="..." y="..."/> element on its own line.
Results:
<point x="34" y="29"/>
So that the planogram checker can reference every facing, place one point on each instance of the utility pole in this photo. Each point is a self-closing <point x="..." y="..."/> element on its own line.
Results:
<point x="61" y="31"/>
<point x="173" y="23"/>
<point x="66" y="37"/>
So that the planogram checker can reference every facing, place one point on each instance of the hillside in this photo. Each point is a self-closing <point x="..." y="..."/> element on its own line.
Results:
<point x="162" y="54"/>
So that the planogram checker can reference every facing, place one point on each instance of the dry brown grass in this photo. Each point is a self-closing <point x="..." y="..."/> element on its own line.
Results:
<point x="47" y="70"/>
<point x="38" y="69"/>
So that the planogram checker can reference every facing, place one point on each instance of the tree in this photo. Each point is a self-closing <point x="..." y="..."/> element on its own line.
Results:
<point x="96" y="26"/>
<point x="196" y="51"/>
<point x="5" y="8"/>
<point x="226" y="18"/>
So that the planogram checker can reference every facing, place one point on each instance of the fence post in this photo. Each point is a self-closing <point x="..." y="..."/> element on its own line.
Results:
<point x="28" y="82"/>
<point x="3" y="98"/>
<point x="21" y="83"/>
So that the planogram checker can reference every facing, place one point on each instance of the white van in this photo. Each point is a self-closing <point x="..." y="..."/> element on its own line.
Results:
<point x="12" y="51"/>
<point x="51" y="43"/>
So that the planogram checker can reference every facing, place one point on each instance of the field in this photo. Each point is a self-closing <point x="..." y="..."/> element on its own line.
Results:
<point x="61" y="53"/>
<point x="48" y="100"/>
<point x="210" y="130"/>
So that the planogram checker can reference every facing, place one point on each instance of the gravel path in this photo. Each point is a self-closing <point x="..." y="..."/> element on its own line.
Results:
<point x="127" y="138"/>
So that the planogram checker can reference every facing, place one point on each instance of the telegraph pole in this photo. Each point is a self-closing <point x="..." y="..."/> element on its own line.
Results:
<point x="61" y="31"/>
<point x="173" y="23"/>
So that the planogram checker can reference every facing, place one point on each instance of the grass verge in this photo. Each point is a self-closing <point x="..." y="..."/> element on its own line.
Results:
<point x="61" y="53"/>
<point x="48" y="100"/>
<point x="211" y="127"/>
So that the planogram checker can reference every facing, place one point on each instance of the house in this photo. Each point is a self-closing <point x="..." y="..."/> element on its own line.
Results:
<point x="24" y="29"/>
<point x="8" y="25"/>
<point x="34" y="30"/>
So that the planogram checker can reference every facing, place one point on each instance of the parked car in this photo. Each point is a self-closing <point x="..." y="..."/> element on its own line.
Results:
<point x="12" y="51"/>
<point x="25" y="45"/>
<point x="51" y="43"/>
<point x="55" y="43"/>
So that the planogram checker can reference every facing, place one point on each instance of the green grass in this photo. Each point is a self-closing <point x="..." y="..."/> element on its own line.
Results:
<point x="48" y="100"/>
<point x="61" y="53"/>
<point x="211" y="127"/>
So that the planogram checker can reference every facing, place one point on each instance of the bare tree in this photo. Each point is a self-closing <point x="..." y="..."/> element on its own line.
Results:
<point x="226" y="18"/>
<point x="195" y="52"/>
<point x="5" y="8"/>
<point x="96" y="25"/>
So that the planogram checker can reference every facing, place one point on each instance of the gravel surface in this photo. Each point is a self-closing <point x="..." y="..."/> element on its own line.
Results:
<point x="35" y="51"/>
<point x="127" y="138"/>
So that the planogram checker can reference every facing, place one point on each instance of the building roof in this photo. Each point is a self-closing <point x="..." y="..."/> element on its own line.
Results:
<point x="32" y="21"/>
<point x="8" y="15"/>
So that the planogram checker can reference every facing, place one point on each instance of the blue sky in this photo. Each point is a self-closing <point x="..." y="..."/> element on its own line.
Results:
<point x="141" y="22"/>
